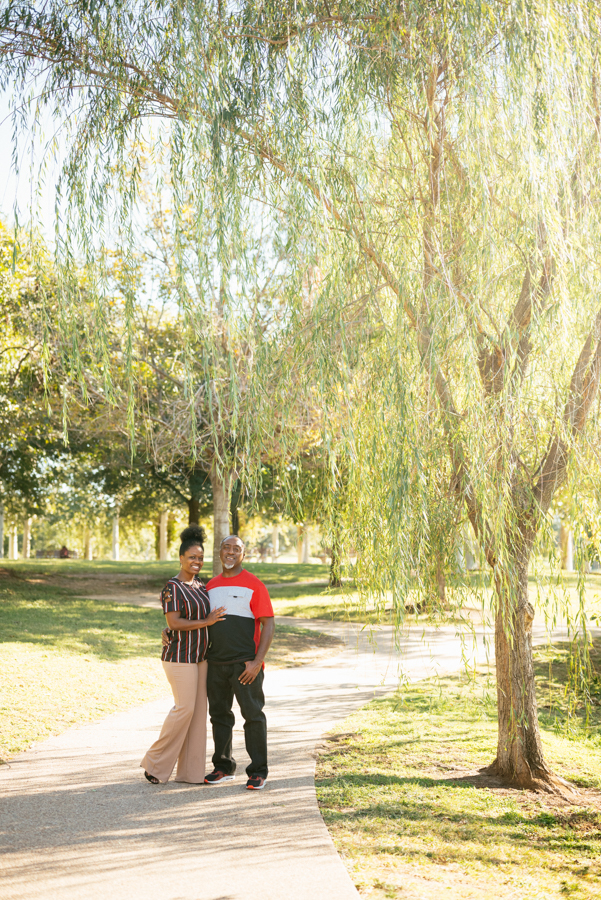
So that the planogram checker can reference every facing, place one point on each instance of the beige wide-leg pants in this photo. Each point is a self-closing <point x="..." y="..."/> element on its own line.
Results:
<point x="184" y="733"/>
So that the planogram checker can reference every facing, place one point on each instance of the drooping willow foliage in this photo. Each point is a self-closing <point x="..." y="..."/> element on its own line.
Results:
<point x="433" y="170"/>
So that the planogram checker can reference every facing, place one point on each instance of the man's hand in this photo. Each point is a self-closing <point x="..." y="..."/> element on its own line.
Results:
<point x="165" y="636"/>
<point x="251" y="670"/>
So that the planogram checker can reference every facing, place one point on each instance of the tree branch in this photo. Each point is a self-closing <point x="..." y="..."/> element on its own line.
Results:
<point x="584" y="386"/>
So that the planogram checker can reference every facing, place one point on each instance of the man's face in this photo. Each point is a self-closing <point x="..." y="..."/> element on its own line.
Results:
<point x="231" y="553"/>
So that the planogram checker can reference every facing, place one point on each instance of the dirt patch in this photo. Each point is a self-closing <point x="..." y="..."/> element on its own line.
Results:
<point x="116" y="588"/>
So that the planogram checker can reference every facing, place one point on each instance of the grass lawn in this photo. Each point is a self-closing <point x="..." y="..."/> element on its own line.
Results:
<point x="412" y="817"/>
<point x="553" y="599"/>
<point x="67" y="660"/>
<point x="296" y="595"/>
<point x="159" y="572"/>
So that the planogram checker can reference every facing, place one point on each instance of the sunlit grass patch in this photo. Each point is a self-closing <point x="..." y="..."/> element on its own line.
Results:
<point x="413" y="817"/>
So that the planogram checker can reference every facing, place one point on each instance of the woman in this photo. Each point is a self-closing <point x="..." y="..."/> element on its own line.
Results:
<point x="186" y="607"/>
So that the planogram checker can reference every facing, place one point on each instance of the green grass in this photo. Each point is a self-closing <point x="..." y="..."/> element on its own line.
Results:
<point x="159" y="572"/>
<point x="65" y="660"/>
<point x="298" y="597"/>
<point x="410" y="814"/>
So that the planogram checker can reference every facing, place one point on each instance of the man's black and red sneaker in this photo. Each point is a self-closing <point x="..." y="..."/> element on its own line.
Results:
<point x="255" y="783"/>
<point x="216" y="778"/>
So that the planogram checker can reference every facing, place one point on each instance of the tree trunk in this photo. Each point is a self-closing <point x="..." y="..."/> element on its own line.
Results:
<point x="116" y="536"/>
<point x="87" y="545"/>
<point x="1" y="532"/>
<point x="13" y="543"/>
<point x="299" y="543"/>
<point x="27" y="537"/>
<point x="163" y="518"/>
<point x="335" y="578"/>
<point x="306" y="544"/>
<point x="235" y="501"/>
<point x="275" y="542"/>
<point x="235" y="520"/>
<point x="221" y="483"/>
<point x="566" y="539"/>
<point x="519" y="758"/>
<point x="193" y="511"/>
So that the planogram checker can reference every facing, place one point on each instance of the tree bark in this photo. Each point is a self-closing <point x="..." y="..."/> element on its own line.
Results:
<point x="306" y="544"/>
<point x="299" y="543"/>
<point x="566" y="540"/>
<point x="275" y="542"/>
<point x="1" y="531"/>
<point x="193" y="511"/>
<point x="335" y="579"/>
<point x="115" y="547"/>
<point x="519" y="759"/>
<point x="163" y="518"/>
<point x="27" y="538"/>
<point x="235" y="501"/>
<point x="221" y="483"/>
<point x="13" y="543"/>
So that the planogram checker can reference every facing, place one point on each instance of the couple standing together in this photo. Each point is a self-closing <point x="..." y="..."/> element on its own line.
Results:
<point x="215" y="647"/>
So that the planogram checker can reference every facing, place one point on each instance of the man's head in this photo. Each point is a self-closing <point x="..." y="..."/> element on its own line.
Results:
<point x="231" y="554"/>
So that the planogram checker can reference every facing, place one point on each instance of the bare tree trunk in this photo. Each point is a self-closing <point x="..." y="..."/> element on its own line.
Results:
<point x="221" y="483"/>
<point x="566" y="540"/>
<point x="275" y="542"/>
<point x="235" y="501"/>
<point x="193" y="510"/>
<point x="13" y="543"/>
<point x="27" y="538"/>
<point x="115" y="546"/>
<point x="299" y="543"/>
<point x="519" y="759"/>
<point x="335" y="578"/>
<point x="87" y="545"/>
<point x="1" y="531"/>
<point x="163" y="517"/>
<point x="306" y="544"/>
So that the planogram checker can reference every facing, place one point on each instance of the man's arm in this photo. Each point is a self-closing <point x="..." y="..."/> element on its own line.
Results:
<point x="253" y="667"/>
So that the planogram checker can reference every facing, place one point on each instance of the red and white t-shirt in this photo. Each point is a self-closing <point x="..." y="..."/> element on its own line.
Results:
<point x="246" y="600"/>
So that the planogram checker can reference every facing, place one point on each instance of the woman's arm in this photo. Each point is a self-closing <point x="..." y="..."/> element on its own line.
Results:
<point x="176" y="623"/>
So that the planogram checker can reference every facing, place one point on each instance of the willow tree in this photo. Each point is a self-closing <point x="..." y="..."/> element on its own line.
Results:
<point x="446" y="150"/>
<point x="208" y="309"/>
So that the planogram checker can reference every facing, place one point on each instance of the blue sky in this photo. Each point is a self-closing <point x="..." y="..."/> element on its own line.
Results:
<point x="21" y="188"/>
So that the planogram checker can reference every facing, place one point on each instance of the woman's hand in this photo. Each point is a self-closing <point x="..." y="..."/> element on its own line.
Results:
<point x="216" y="615"/>
<point x="176" y="623"/>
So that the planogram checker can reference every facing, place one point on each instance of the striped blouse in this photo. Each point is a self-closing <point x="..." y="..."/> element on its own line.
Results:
<point x="192" y="602"/>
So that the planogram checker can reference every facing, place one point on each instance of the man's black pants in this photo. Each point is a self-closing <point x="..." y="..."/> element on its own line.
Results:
<point x="222" y="686"/>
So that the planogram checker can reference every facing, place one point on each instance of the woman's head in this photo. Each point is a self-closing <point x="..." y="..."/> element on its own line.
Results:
<point x="192" y="536"/>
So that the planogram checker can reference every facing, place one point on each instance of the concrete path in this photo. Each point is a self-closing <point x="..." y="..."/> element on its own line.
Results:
<point x="78" y="821"/>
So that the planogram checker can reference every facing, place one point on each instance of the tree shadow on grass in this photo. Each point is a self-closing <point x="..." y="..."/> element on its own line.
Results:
<point x="55" y="620"/>
<point x="469" y="827"/>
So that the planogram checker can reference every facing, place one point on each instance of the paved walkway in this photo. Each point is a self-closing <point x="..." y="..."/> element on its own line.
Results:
<point x="78" y="821"/>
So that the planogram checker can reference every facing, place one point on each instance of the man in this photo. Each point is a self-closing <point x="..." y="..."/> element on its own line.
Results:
<point x="236" y="656"/>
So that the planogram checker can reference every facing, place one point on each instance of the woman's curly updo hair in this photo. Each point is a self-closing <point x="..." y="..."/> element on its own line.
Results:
<point x="192" y="536"/>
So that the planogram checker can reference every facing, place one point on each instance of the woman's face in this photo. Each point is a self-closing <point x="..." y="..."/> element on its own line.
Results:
<point x="191" y="561"/>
